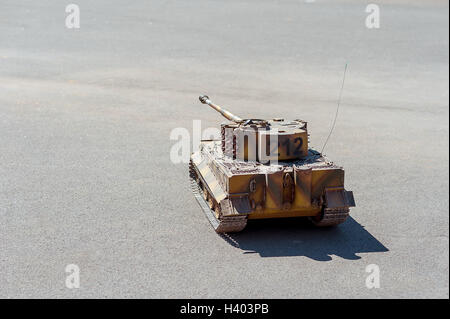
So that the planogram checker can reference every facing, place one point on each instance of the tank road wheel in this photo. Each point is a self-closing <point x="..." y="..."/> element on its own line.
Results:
<point x="192" y="171"/>
<point x="193" y="174"/>
<point x="330" y="217"/>
<point x="205" y="193"/>
<point x="217" y="212"/>
<point x="211" y="202"/>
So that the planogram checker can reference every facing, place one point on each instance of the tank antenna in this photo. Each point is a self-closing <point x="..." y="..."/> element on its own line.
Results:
<point x="337" y="109"/>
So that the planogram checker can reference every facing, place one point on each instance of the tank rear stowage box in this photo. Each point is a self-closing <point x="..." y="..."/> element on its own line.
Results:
<point x="265" y="169"/>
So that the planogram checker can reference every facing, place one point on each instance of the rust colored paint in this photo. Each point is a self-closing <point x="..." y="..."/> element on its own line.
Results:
<point x="274" y="190"/>
<point x="303" y="184"/>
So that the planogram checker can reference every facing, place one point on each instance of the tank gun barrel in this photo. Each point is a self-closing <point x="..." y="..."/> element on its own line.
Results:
<point x="228" y="115"/>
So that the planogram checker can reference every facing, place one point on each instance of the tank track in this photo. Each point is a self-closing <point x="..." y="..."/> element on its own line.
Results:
<point x="223" y="224"/>
<point x="331" y="217"/>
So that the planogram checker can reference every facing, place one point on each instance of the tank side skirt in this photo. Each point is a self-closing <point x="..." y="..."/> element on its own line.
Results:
<point x="223" y="224"/>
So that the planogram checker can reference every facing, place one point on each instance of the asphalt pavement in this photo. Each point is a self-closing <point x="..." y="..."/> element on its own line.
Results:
<point x="86" y="176"/>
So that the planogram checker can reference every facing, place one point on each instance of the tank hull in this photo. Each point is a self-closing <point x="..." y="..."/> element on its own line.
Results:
<point x="311" y="187"/>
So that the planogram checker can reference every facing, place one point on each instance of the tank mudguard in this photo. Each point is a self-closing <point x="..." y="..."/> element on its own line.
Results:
<point x="338" y="197"/>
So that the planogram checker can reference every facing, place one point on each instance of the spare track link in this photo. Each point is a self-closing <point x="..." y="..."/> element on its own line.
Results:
<point x="224" y="224"/>
<point x="332" y="217"/>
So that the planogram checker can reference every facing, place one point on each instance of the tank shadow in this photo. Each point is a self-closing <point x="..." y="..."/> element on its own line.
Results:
<point x="298" y="237"/>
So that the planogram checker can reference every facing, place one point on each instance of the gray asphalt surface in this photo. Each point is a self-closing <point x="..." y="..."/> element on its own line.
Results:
<point x="86" y="177"/>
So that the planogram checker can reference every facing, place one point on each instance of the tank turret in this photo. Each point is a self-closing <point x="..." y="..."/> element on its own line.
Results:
<point x="259" y="140"/>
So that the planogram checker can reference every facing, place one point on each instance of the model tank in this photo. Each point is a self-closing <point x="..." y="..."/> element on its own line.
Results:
<point x="265" y="169"/>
